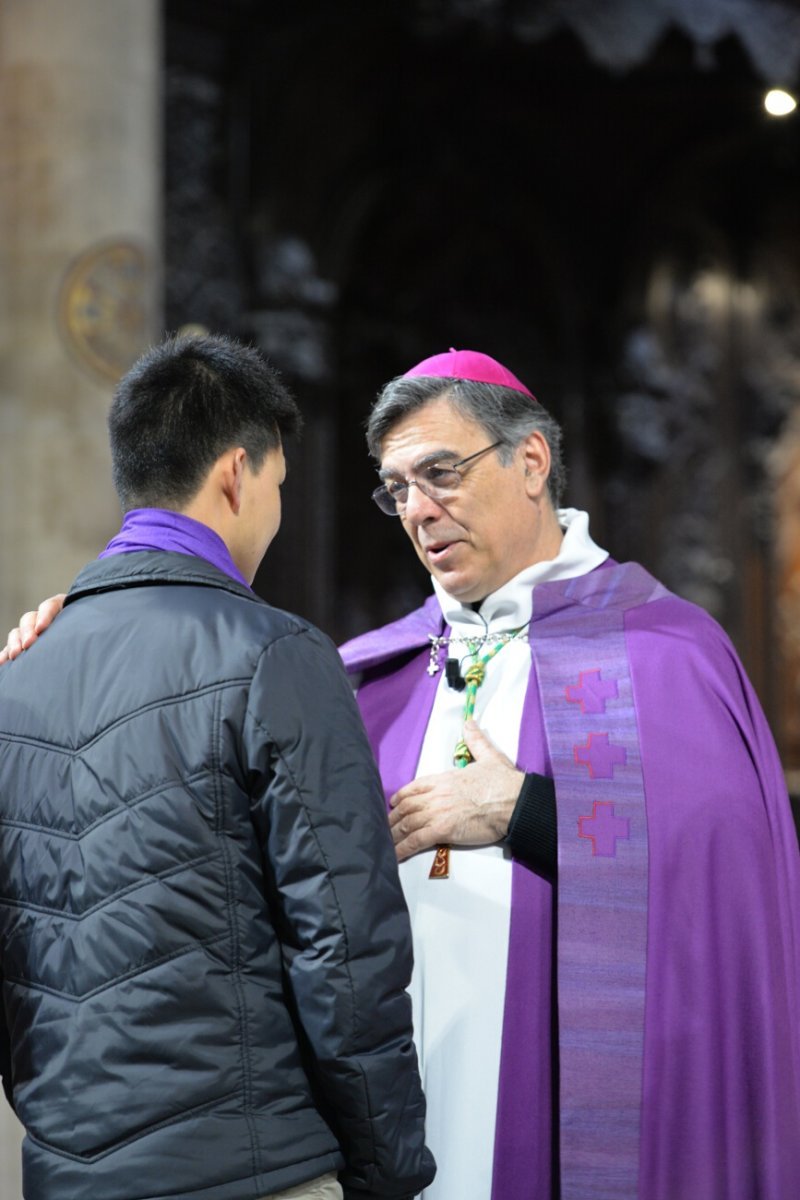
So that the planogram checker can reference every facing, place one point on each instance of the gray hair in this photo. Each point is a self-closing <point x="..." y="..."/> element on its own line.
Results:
<point x="507" y="415"/>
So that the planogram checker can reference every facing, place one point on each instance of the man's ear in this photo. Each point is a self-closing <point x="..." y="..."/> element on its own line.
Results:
<point x="536" y="457"/>
<point x="230" y="468"/>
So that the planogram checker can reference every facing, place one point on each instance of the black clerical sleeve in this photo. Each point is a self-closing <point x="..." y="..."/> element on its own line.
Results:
<point x="532" y="830"/>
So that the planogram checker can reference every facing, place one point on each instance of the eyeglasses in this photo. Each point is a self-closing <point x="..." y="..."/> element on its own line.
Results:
<point x="438" y="483"/>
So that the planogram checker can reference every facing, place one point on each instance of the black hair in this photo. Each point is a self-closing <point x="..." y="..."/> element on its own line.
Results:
<point x="183" y="404"/>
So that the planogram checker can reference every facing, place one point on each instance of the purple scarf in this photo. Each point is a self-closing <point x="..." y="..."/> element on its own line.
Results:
<point x="161" y="529"/>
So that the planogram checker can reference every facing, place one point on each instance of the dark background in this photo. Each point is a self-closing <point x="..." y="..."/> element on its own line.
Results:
<point x="356" y="186"/>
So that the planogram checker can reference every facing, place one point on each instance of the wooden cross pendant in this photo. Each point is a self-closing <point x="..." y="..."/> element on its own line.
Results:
<point x="441" y="863"/>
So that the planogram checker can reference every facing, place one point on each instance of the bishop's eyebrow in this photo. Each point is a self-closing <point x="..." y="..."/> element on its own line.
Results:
<point x="429" y="460"/>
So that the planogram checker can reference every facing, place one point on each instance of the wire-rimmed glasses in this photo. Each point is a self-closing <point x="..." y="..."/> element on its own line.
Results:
<point x="435" y="481"/>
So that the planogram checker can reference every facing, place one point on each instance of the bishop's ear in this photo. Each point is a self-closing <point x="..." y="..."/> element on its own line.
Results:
<point x="536" y="456"/>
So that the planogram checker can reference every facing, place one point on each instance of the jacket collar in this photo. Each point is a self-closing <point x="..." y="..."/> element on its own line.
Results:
<point x="144" y="568"/>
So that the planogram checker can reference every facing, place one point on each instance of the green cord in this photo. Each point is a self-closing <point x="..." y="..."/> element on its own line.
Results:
<point x="474" y="677"/>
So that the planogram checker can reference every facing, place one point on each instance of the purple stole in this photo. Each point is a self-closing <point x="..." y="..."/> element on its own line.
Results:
<point x="162" y="529"/>
<point x="588" y="705"/>
<point x="582" y="686"/>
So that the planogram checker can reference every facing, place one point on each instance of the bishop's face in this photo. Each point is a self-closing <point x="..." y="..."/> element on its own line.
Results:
<point x="499" y="520"/>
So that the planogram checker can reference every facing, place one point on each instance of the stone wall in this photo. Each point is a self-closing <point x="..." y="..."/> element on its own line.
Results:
<point x="80" y="110"/>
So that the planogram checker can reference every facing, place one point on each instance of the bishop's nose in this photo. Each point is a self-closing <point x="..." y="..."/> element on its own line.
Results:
<point x="419" y="506"/>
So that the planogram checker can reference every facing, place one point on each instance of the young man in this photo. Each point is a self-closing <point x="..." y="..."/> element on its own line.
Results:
<point x="204" y="948"/>
<point x="603" y="879"/>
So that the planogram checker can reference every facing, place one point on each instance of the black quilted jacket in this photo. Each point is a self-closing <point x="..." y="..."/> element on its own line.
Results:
<point x="203" y="942"/>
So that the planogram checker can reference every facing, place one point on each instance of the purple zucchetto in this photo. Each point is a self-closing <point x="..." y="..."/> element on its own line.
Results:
<point x="468" y="364"/>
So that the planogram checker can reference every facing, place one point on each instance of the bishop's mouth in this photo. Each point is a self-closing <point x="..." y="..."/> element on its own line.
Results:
<point x="438" y="552"/>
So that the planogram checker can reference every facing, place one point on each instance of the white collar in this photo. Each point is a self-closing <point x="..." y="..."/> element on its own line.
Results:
<point x="511" y="605"/>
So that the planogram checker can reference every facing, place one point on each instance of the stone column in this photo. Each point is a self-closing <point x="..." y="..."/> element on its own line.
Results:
<point x="80" y="251"/>
<point x="80" y="239"/>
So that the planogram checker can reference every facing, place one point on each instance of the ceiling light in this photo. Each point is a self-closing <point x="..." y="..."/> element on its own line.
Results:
<point x="779" y="103"/>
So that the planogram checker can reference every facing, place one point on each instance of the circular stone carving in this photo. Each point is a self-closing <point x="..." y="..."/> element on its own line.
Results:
<point x="103" y="307"/>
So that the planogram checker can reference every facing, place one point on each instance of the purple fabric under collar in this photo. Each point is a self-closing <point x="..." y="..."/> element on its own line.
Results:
<point x="162" y="529"/>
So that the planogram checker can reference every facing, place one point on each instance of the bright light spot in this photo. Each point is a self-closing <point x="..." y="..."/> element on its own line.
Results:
<point x="779" y="103"/>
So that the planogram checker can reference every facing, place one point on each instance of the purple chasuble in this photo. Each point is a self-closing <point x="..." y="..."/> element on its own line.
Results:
<point x="678" y="926"/>
<point x="162" y="529"/>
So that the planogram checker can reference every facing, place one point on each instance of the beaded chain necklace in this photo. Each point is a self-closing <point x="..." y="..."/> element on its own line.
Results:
<point x="473" y="678"/>
<point x="437" y="642"/>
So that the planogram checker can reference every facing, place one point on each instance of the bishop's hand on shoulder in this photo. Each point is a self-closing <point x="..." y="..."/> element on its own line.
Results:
<point x="31" y="625"/>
